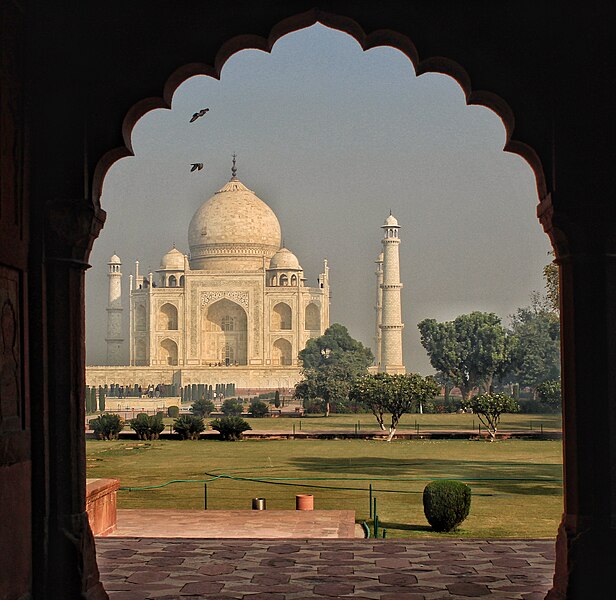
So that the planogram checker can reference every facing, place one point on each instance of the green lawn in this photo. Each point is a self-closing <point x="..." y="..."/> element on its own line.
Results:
<point x="516" y="484"/>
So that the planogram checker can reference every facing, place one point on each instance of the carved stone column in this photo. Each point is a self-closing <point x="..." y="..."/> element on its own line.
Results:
<point x="586" y="543"/>
<point x="71" y="227"/>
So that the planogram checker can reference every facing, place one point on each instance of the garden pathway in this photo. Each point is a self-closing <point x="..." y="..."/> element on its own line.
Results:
<point x="253" y="569"/>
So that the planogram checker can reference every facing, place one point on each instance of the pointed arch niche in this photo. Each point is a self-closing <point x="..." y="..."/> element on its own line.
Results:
<point x="281" y="317"/>
<point x="282" y="353"/>
<point x="224" y="333"/>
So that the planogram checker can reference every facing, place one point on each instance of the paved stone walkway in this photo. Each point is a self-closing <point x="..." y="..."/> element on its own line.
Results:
<point x="166" y="569"/>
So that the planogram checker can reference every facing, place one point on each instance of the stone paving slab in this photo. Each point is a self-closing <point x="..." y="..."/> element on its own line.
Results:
<point x="235" y="523"/>
<point x="266" y="569"/>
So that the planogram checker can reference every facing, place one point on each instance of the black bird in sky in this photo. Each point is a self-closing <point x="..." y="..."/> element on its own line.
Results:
<point x="196" y="167"/>
<point x="198" y="114"/>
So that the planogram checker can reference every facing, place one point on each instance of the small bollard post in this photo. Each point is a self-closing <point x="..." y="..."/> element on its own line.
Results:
<point x="473" y="424"/>
<point x="384" y="533"/>
<point x="542" y="428"/>
<point x="258" y="504"/>
<point x="293" y="428"/>
<point x="376" y="526"/>
<point x="300" y="424"/>
<point x="370" y="501"/>
<point x="205" y="496"/>
<point x="170" y="428"/>
<point x="358" y="426"/>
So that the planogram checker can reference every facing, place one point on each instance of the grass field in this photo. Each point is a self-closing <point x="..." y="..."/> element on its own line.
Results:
<point x="516" y="484"/>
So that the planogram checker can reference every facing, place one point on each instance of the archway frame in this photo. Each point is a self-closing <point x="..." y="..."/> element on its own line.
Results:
<point x="570" y="122"/>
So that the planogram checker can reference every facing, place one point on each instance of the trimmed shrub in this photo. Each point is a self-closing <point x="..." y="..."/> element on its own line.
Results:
<point x="146" y="427"/>
<point x="277" y="399"/>
<point x="189" y="427"/>
<point x="107" y="427"/>
<point x="173" y="411"/>
<point x="202" y="408"/>
<point x="258" y="409"/>
<point x="446" y="504"/>
<point x="231" y="407"/>
<point x="230" y="428"/>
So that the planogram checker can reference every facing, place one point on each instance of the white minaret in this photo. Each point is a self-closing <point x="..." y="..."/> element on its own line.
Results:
<point x="391" y="313"/>
<point x="378" y="308"/>
<point x="114" y="337"/>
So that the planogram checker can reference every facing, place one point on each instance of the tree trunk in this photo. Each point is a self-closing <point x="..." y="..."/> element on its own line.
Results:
<point x="327" y="409"/>
<point x="392" y="432"/>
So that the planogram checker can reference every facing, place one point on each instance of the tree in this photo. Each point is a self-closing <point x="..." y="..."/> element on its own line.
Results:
<point x="330" y="364"/>
<point x="394" y="394"/>
<point x="489" y="408"/>
<point x="232" y="407"/>
<point x="277" y="399"/>
<point x="202" y="408"/>
<point x="552" y="291"/>
<point x="189" y="426"/>
<point x="258" y="408"/>
<point x="469" y="351"/>
<point x="230" y="428"/>
<point x="534" y="347"/>
<point x="549" y="393"/>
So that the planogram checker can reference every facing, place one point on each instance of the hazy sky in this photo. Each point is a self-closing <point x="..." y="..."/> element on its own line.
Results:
<point x="332" y="138"/>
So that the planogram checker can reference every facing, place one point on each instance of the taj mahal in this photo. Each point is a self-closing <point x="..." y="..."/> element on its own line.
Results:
<point x="238" y="308"/>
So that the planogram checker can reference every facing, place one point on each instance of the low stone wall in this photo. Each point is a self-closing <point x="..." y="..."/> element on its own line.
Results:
<point x="101" y="505"/>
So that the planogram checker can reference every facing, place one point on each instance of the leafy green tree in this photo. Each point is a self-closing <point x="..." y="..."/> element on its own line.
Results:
<point x="470" y="350"/>
<point x="202" y="407"/>
<point x="258" y="408"/>
<point x="533" y="347"/>
<point x="394" y="394"/>
<point x="369" y="390"/>
<point x="552" y="291"/>
<point x="330" y="364"/>
<point x="107" y="426"/>
<point x="189" y="426"/>
<point x="489" y="408"/>
<point x="232" y="407"/>
<point x="147" y="427"/>
<point x="230" y="428"/>
<point x="549" y="393"/>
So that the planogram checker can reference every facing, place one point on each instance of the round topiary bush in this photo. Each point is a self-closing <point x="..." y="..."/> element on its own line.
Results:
<point x="446" y="504"/>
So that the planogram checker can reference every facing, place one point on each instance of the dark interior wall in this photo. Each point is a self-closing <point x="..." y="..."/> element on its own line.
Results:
<point x="15" y="460"/>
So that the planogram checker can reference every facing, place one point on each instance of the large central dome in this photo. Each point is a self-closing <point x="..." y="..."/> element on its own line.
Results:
<point x="233" y="231"/>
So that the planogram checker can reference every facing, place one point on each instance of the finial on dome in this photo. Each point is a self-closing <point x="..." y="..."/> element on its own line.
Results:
<point x="233" y="168"/>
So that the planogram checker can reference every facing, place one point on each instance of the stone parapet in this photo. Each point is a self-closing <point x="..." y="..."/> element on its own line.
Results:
<point x="101" y="505"/>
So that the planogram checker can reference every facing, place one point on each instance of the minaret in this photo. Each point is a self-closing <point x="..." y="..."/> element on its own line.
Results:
<point x="379" y="308"/>
<point x="114" y="337"/>
<point x="391" y="314"/>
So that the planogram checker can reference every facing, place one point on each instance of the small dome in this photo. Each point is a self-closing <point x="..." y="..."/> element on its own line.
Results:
<point x="285" y="259"/>
<point x="115" y="260"/>
<point x="391" y="221"/>
<point x="173" y="260"/>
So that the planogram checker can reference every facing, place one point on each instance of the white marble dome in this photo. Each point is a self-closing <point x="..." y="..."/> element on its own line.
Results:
<point x="114" y="260"/>
<point x="285" y="259"/>
<point x="173" y="260"/>
<point x="391" y="221"/>
<point x="233" y="231"/>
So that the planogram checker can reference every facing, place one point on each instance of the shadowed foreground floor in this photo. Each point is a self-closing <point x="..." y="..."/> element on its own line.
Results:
<point x="139" y="569"/>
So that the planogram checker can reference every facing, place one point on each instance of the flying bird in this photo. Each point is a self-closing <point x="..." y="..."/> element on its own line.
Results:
<point x="196" y="167"/>
<point x="198" y="114"/>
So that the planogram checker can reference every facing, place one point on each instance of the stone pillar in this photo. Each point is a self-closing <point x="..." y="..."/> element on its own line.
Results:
<point x="391" y="320"/>
<point x="378" y="308"/>
<point x="114" y="337"/>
